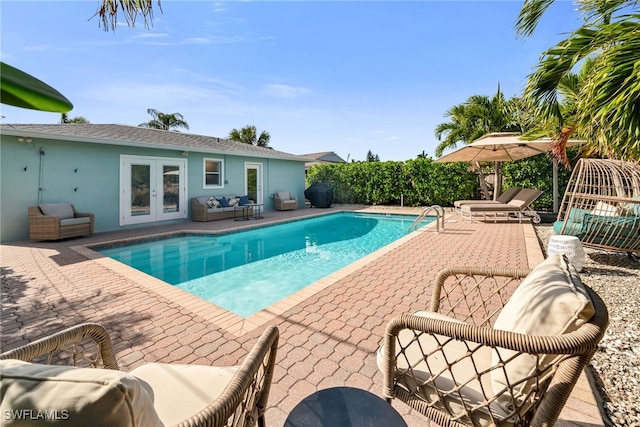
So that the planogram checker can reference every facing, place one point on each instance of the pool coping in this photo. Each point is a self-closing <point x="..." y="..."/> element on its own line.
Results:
<point x="231" y="322"/>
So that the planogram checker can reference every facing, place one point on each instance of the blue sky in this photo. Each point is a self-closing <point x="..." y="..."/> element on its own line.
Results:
<point x="343" y="76"/>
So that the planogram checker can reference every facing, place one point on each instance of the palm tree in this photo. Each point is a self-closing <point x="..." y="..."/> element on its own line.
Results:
<point x="132" y="9"/>
<point x="477" y="116"/>
<point x="607" y="108"/>
<point x="249" y="135"/>
<point x="164" y="121"/>
<point x="77" y="120"/>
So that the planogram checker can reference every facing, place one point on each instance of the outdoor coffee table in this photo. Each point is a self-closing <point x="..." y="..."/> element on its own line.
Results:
<point x="344" y="407"/>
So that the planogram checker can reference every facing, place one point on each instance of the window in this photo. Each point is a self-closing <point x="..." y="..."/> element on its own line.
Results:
<point x="213" y="173"/>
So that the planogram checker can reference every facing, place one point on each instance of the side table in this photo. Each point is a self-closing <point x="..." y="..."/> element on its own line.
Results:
<point x="244" y="209"/>
<point x="570" y="246"/>
<point x="257" y="210"/>
<point x="344" y="407"/>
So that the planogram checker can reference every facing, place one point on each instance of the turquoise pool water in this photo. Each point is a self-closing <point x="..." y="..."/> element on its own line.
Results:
<point x="247" y="271"/>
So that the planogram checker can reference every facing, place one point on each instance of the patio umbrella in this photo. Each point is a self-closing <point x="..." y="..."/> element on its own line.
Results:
<point x="506" y="147"/>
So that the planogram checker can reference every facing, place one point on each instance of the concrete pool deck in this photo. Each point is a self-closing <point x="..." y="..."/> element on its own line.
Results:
<point x="329" y="332"/>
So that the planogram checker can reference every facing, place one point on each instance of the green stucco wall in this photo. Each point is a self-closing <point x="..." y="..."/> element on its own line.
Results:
<point x="88" y="176"/>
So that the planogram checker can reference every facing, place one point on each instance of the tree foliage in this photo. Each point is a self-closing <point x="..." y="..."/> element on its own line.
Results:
<point x="249" y="135"/>
<point x="165" y="121"/>
<point x="417" y="182"/>
<point x="607" y="108"/>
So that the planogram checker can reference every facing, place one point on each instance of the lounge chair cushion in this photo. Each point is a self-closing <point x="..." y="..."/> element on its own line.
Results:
<point x="428" y="357"/>
<point x="60" y="210"/>
<point x="284" y="195"/>
<point x="181" y="391"/>
<point x="75" y="396"/>
<point x="551" y="300"/>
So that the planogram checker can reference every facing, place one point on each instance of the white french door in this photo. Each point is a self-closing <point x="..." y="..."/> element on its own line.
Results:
<point x="253" y="181"/>
<point x="152" y="189"/>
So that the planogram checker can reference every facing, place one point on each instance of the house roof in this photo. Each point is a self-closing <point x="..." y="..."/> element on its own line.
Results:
<point x="135" y="136"/>
<point x="325" y="157"/>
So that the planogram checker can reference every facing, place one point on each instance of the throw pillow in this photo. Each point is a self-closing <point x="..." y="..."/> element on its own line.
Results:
<point x="76" y="396"/>
<point x="551" y="300"/>
<point x="605" y="209"/>
<point x="224" y="202"/>
<point x="213" y="203"/>
<point x="244" y="200"/>
<point x="233" y="201"/>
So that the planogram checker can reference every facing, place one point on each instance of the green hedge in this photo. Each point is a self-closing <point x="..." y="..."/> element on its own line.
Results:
<point x="422" y="182"/>
<point x="419" y="182"/>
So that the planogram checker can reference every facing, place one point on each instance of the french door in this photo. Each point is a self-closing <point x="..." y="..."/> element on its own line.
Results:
<point x="253" y="181"/>
<point x="152" y="189"/>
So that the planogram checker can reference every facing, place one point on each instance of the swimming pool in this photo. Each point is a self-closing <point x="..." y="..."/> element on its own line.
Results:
<point x="247" y="271"/>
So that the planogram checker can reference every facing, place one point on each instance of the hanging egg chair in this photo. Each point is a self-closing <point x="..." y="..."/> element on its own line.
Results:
<point x="601" y="205"/>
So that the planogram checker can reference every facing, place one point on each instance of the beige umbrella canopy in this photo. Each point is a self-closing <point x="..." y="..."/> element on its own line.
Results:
<point x="506" y="147"/>
<point x="501" y="147"/>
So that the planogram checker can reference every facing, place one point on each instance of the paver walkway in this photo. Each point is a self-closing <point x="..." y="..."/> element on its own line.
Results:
<point x="327" y="339"/>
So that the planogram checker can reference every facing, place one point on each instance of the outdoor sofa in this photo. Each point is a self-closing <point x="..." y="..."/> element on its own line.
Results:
<point x="208" y="208"/>
<point x="55" y="221"/>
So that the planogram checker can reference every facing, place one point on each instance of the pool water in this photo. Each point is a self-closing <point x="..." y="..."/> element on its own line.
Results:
<point x="247" y="271"/>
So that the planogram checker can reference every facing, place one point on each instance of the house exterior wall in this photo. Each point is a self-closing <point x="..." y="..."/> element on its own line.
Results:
<point x="88" y="176"/>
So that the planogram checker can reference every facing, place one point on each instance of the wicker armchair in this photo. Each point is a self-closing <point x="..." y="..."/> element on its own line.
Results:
<point x="152" y="394"/>
<point x="284" y="201"/>
<point x="53" y="227"/>
<point x="453" y="366"/>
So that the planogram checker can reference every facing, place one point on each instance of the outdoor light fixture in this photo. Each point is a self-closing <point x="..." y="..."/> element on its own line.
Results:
<point x="185" y="153"/>
<point x="23" y="139"/>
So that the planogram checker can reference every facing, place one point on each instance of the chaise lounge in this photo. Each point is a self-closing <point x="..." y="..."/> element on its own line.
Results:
<point x="519" y="206"/>
<point x="503" y="198"/>
<point x="55" y="221"/>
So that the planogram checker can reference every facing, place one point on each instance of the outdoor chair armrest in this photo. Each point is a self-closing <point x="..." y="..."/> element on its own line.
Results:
<point x="73" y="341"/>
<point x="474" y="295"/>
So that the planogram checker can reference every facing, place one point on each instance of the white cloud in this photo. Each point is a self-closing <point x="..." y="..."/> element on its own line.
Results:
<point x="285" y="91"/>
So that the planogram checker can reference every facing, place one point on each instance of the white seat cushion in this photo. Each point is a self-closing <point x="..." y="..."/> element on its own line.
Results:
<point x="74" y="396"/>
<point x="284" y="195"/>
<point x="75" y="221"/>
<point x="181" y="391"/>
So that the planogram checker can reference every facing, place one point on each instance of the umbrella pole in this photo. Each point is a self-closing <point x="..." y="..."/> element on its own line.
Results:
<point x="555" y="186"/>
<point x="497" y="185"/>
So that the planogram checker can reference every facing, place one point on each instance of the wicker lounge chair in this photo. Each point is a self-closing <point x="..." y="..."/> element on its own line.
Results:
<point x="519" y="206"/>
<point x="503" y="198"/>
<point x="152" y="394"/>
<point x="54" y="221"/>
<point x="478" y="358"/>
<point x="284" y="201"/>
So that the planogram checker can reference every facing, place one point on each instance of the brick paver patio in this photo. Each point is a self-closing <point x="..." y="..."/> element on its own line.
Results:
<point x="329" y="333"/>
